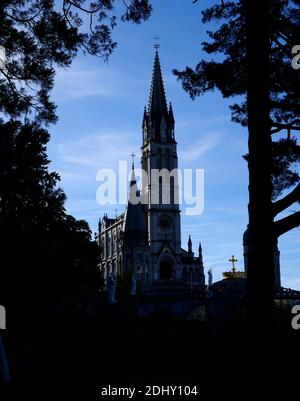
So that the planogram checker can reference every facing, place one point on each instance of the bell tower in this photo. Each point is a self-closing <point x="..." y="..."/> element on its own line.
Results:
<point x="159" y="161"/>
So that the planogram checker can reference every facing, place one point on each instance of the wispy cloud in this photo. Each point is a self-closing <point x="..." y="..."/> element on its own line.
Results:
<point x="96" y="150"/>
<point x="79" y="82"/>
<point x="206" y="143"/>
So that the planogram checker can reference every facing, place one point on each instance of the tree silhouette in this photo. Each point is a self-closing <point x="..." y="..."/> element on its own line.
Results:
<point x="255" y="42"/>
<point x="47" y="255"/>
<point x="37" y="35"/>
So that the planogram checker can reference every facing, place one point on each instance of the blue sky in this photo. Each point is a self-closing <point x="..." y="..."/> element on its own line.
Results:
<point x="100" y="108"/>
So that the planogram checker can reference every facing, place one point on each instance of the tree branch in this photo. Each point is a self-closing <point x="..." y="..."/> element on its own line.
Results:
<point x="34" y="105"/>
<point x="23" y="21"/>
<point x="286" y="224"/>
<point x="291" y="126"/>
<point x="67" y="4"/>
<point x="287" y="201"/>
<point x="85" y="9"/>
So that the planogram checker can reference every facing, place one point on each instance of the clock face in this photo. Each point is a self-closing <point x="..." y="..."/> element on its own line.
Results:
<point x="164" y="221"/>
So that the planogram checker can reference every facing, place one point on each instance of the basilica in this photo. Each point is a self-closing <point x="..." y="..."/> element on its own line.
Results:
<point x="144" y="242"/>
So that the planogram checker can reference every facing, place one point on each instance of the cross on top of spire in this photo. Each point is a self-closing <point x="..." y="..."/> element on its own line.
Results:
<point x="156" y="44"/>
<point x="132" y="156"/>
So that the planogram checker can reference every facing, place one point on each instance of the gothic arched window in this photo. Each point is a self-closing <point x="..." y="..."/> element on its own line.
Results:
<point x="102" y="249"/>
<point x="108" y="245"/>
<point x="160" y="190"/>
<point x="115" y="243"/>
<point x="172" y="190"/>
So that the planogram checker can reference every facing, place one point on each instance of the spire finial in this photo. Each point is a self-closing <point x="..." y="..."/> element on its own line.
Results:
<point x="132" y="156"/>
<point x="156" y="44"/>
<point x="190" y="246"/>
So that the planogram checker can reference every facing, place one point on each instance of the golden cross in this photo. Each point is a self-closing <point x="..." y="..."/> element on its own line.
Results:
<point x="233" y="260"/>
<point x="156" y="44"/>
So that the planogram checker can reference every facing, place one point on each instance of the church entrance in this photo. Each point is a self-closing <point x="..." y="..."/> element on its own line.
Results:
<point x="165" y="270"/>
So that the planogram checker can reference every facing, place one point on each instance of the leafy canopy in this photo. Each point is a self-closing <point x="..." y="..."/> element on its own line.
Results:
<point x="228" y="73"/>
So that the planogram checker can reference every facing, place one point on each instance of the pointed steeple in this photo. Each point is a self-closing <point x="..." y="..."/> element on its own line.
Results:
<point x="132" y="196"/>
<point x="157" y="101"/>
<point x="134" y="217"/>
<point x="158" y="120"/>
<point x="190" y="246"/>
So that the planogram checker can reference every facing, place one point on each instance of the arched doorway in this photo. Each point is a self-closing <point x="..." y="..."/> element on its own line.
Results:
<point x="165" y="270"/>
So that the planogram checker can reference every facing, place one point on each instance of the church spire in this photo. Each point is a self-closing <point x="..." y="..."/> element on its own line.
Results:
<point x="134" y="218"/>
<point x="158" y="119"/>
<point x="157" y="101"/>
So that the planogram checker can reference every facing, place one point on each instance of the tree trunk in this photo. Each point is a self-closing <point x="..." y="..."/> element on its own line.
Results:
<point x="260" y="282"/>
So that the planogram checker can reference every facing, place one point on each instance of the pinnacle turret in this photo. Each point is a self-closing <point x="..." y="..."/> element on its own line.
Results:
<point x="171" y="115"/>
<point x="200" y="254"/>
<point x="190" y="246"/>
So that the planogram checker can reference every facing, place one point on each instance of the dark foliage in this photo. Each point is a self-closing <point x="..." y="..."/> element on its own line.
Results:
<point x="47" y="256"/>
<point x="228" y="73"/>
<point x="49" y="259"/>
<point x="38" y="35"/>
